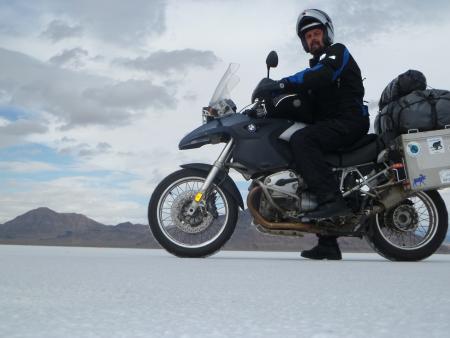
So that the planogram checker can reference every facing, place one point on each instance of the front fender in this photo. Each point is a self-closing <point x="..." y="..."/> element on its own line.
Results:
<point x="209" y="133"/>
<point x="222" y="179"/>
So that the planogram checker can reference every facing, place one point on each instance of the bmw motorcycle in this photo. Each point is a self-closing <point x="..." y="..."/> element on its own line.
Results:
<point x="193" y="211"/>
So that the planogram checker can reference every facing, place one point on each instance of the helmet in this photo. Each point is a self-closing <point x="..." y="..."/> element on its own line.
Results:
<point x="311" y="18"/>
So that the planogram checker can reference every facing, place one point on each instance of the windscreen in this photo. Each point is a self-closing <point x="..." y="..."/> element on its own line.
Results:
<point x="226" y="84"/>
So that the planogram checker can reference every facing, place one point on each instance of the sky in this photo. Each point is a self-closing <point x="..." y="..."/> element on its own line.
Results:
<point x="95" y="95"/>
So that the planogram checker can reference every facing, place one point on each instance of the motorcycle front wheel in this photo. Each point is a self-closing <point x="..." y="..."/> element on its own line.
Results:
<point x="412" y="230"/>
<point x="198" y="235"/>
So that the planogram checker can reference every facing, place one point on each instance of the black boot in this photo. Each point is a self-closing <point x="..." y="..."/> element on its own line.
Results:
<point x="330" y="207"/>
<point x="327" y="248"/>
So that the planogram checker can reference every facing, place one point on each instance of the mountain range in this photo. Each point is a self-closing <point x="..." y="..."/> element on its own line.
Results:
<point x="44" y="226"/>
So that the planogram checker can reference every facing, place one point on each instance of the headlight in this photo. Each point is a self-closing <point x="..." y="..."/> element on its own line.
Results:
<point x="220" y="109"/>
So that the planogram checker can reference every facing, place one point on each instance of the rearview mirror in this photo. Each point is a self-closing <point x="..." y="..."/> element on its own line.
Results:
<point x="271" y="61"/>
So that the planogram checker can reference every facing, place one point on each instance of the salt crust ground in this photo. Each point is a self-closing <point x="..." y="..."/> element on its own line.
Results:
<point x="95" y="292"/>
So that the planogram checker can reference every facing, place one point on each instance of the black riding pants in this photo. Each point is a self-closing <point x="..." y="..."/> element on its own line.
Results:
<point x="311" y="143"/>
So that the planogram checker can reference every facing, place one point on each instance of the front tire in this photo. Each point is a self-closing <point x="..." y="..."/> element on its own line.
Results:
<point x="412" y="230"/>
<point x="201" y="234"/>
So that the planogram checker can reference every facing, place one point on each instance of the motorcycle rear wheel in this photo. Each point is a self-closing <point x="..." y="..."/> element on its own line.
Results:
<point x="412" y="230"/>
<point x="199" y="235"/>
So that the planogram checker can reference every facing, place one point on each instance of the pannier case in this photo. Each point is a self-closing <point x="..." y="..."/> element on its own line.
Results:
<point x="427" y="158"/>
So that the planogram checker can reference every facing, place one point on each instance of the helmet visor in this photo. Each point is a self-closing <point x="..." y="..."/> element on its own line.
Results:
<point x="309" y="26"/>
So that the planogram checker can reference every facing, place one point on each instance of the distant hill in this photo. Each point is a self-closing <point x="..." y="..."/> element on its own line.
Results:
<point x="44" y="226"/>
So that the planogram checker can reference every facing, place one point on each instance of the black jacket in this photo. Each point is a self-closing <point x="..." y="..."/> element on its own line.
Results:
<point x="334" y="82"/>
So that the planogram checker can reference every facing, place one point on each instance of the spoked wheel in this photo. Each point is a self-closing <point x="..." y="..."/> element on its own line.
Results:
<point x="197" y="235"/>
<point x="412" y="230"/>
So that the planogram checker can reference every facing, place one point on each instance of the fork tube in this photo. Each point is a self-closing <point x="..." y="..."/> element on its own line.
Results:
<point x="217" y="166"/>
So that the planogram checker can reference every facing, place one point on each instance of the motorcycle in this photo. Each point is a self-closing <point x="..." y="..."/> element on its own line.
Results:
<point x="193" y="211"/>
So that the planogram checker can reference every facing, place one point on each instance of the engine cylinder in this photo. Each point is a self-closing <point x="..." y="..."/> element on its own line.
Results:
<point x="308" y="201"/>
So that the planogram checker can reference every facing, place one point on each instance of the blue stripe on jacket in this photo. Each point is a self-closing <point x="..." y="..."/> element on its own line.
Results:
<point x="298" y="78"/>
<point x="344" y="63"/>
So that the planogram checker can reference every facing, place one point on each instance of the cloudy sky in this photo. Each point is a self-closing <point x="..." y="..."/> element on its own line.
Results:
<point x="95" y="95"/>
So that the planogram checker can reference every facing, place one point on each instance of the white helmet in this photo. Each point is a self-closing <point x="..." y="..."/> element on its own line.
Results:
<point x="311" y="18"/>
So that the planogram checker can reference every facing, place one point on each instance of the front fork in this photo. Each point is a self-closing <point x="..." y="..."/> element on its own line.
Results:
<point x="217" y="166"/>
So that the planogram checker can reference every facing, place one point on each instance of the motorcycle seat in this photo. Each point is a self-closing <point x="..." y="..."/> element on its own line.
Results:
<point x="366" y="139"/>
<point x="365" y="150"/>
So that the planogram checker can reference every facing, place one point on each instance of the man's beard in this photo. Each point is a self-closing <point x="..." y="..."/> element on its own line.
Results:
<point x="316" y="48"/>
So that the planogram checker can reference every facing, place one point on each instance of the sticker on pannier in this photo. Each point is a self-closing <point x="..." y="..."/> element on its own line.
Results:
<point x="413" y="149"/>
<point x="445" y="176"/>
<point x="419" y="181"/>
<point x="436" y="145"/>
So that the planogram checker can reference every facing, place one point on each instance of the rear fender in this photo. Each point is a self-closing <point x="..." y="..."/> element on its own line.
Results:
<point x="227" y="183"/>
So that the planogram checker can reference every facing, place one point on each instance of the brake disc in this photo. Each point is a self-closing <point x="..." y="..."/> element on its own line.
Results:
<point x="405" y="218"/>
<point x="191" y="224"/>
<point x="402" y="218"/>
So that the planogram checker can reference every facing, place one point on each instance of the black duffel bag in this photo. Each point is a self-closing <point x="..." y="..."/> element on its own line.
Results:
<point x="402" y="85"/>
<point x="421" y="110"/>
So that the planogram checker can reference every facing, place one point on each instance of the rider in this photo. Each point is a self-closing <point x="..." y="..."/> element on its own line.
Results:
<point x="334" y="83"/>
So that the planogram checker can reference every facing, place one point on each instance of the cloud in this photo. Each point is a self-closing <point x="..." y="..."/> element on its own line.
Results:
<point x="26" y="166"/>
<point x="95" y="197"/>
<point x="58" y="30"/>
<point x="85" y="150"/>
<point x="190" y="96"/>
<point x="76" y="98"/>
<point x="17" y="131"/>
<point x="101" y="148"/>
<point x="364" y="20"/>
<point x="23" y="127"/>
<point x="18" y="18"/>
<point x="114" y="21"/>
<point x="117" y="21"/>
<point x="69" y="57"/>
<point x="167" y="61"/>
<point x="131" y="94"/>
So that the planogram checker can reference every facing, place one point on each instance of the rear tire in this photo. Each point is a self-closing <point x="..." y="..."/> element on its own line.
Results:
<point x="412" y="230"/>
<point x="175" y="233"/>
